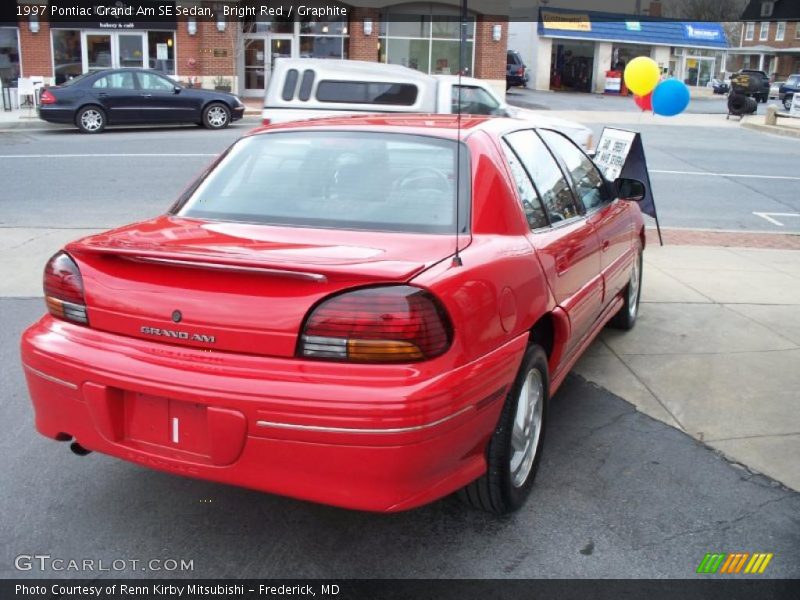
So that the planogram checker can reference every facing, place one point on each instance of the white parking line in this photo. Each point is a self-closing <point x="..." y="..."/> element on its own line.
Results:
<point x="148" y="155"/>
<point x="768" y="217"/>
<point x="742" y="175"/>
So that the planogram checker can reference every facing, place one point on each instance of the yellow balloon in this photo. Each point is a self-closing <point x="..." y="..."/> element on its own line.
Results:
<point x="642" y="75"/>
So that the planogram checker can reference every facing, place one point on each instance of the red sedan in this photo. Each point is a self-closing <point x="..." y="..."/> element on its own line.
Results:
<point x="368" y="312"/>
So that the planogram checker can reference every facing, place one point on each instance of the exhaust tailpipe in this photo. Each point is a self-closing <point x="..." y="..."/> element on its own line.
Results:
<point x="78" y="449"/>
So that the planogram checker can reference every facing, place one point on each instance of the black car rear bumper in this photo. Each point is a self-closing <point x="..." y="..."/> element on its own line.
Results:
<point x="53" y="114"/>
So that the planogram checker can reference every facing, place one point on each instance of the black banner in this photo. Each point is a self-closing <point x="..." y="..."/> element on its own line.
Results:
<point x="416" y="589"/>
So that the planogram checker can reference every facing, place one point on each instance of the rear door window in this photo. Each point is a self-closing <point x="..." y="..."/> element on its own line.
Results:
<point x="116" y="81"/>
<point x="555" y="192"/>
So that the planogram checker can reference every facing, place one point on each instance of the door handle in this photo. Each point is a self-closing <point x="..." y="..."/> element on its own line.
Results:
<point x="147" y="95"/>
<point x="102" y="95"/>
<point x="606" y="245"/>
<point x="562" y="264"/>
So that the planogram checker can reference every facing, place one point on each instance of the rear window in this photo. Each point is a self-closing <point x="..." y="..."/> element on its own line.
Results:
<point x="363" y="92"/>
<point x="339" y="180"/>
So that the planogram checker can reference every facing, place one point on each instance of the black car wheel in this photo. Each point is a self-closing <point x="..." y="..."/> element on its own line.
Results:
<point x="91" y="119"/>
<point x="515" y="449"/>
<point x="787" y="102"/>
<point x="216" y="116"/>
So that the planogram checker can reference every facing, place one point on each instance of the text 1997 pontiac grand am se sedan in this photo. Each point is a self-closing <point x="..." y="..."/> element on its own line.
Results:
<point x="306" y="321"/>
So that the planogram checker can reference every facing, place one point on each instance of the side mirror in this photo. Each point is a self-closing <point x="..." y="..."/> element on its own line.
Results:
<point x="177" y="89"/>
<point x="631" y="190"/>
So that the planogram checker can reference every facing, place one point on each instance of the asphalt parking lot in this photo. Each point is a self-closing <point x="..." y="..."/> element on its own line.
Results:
<point x="618" y="495"/>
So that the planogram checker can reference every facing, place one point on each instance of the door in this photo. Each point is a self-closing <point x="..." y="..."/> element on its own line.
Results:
<point x="130" y="49"/>
<point x="118" y="95"/>
<point x="565" y="240"/>
<point x="97" y="51"/>
<point x="280" y="46"/>
<point x="162" y="102"/>
<point x="254" y="66"/>
<point x="608" y="216"/>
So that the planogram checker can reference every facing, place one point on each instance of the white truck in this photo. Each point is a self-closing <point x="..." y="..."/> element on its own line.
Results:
<point x="309" y="88"/>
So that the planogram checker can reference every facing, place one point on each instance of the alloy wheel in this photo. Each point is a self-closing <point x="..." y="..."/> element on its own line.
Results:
<point x="217" y="116"/>
<point x="91" y="120"/>
<point x="527" y="427"/>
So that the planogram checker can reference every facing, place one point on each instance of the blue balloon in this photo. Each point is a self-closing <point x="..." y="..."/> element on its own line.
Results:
<point x="670" y="98"/>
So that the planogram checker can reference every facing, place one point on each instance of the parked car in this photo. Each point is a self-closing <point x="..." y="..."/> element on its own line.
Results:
<point x="774" y="89"/>
<point x="719" y="86"/>
<point x="311" y="88"/>
<point x="358" y="311"/>
<point x="751" y="83"/>
<point x="788" y="90"/>
<point x="516" y="71"/>
<point x="134" y="96"/>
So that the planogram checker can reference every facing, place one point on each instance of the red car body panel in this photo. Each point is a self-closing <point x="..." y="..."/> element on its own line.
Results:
<point x="367" y="436"/>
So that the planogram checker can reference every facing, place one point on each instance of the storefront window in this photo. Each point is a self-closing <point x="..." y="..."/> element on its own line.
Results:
<point x="9" y="54"/>
<point x="66" y="54"/>
<point x="426" y="42"/>
<point x="267" y="25"/>
<point x="323" y="39"/>
<point x="161" y="49"/>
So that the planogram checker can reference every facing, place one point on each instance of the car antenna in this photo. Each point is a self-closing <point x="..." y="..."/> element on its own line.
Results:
<point x="462" y="47"/>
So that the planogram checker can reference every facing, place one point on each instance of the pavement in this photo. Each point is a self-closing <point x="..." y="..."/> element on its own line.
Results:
<point x="716" y="352"/>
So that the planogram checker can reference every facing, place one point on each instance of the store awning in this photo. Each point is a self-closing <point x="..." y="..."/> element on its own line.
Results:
<point x="629" y="29"/>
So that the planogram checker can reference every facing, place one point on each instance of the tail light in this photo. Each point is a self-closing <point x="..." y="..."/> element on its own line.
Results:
<point x="521" y="71"/>
<point x="63" y="289"/>
<point x="266" y="122"/>
<point x="386" y="324"/>
<point x="47" y="98"/>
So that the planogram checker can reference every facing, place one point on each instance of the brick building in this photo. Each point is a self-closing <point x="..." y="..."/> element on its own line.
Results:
<point x="238" y="50"/>
<point x="770" y="39"/>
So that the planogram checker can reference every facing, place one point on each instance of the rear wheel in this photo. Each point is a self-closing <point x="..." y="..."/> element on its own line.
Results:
<point x="626" y="317"/>
<point x="787" y="102"/>
<point x="515" y="449"/>
<point x="91" y="119"/>
<point x="216" y="116"/>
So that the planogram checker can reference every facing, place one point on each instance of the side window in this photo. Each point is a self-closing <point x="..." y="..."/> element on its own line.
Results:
<point x="289" y="84"/>
<point x="115" y="81"/>
<point x="155" y="83"/>
<point x="527" y="194"/>
<point x="588" y="181"/>
<point x="306" y="84"/>
<point x="362" y="92"/>
<point x="474" y="101"/>
<point x="553" y="189"/>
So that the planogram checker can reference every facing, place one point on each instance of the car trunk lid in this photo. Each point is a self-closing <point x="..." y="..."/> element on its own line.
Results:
<point x="234" y="286"/>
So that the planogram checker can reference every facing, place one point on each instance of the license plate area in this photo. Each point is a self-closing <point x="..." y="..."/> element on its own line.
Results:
<point x="171" y="424"/>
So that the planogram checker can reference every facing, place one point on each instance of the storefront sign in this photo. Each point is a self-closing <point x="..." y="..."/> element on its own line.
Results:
<point x="633" y="25"/>
<point x="702" y="33"/>
<point x="566" y="22"/>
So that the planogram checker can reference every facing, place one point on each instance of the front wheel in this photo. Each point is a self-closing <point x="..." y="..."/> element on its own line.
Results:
<point x="626" y="317"/>
<point x="91" y="119"/>
<point x="515" y="448"/>
<point x="787" y="103"/>
<point x="216" y="116"/>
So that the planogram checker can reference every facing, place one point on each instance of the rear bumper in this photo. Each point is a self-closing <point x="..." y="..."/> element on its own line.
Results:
<point x="380" y="438"/>
<point x="53" y="114"/>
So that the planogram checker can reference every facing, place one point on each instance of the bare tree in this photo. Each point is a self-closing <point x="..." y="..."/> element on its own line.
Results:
<point x="705" y="10"/>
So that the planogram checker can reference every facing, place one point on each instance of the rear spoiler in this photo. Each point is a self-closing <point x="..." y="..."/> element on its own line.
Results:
<point x="374" y="270"/>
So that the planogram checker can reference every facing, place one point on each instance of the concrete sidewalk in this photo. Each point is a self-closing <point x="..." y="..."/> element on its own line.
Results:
<point x="715" y="353"/>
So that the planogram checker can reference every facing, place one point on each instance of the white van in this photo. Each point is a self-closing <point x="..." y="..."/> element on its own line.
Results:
<point x="309" y="88"/>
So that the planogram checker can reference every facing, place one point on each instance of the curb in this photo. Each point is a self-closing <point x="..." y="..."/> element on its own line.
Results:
<point x="774" y="129"/>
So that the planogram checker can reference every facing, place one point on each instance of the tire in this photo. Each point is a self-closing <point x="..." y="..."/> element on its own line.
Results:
<point x="626" y="317"/>
<point x="787" y="102"/>
<point x="512" y="464"/>
<point x="91" y="119"/>
<point x="216" y="116"/>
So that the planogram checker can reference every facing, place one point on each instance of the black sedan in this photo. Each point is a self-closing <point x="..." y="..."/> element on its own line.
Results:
<point x="135" y="96"/>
